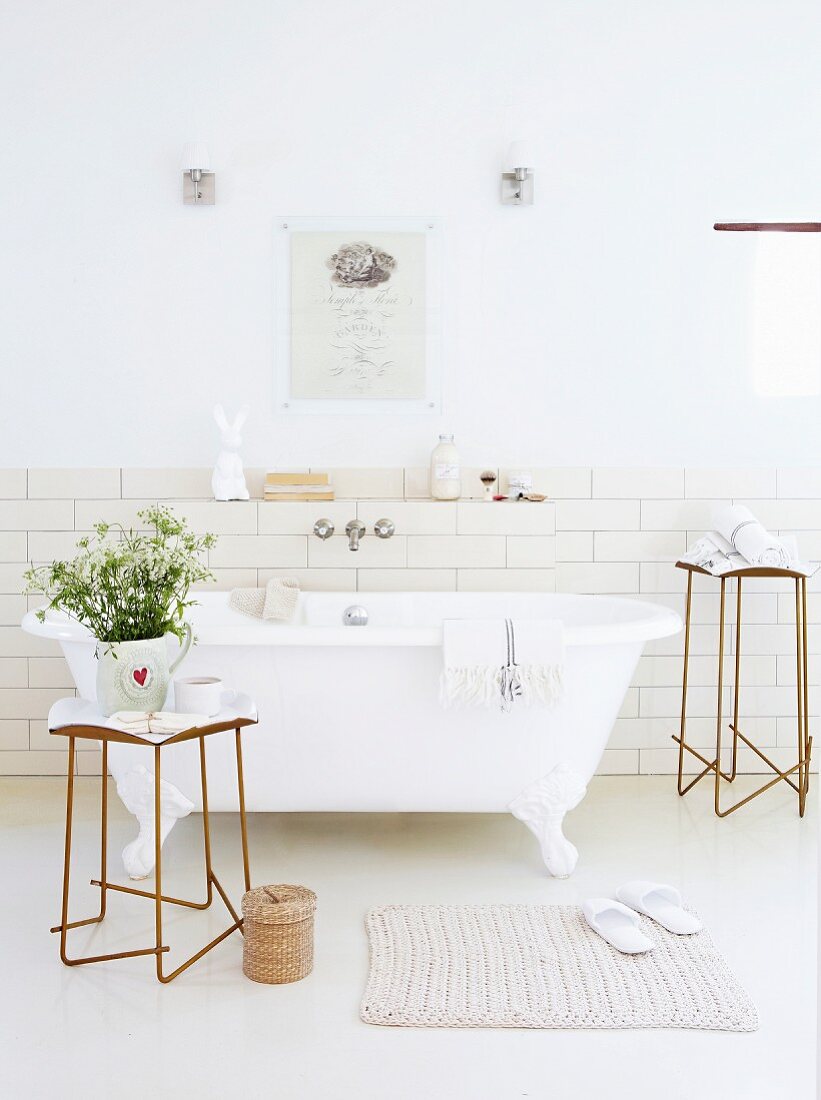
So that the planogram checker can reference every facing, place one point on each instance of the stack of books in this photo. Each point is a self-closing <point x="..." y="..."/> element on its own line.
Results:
<point x="297" y="487"/>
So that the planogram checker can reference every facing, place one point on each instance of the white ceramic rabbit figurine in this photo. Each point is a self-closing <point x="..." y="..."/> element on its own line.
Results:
<point x="228" y="481"/>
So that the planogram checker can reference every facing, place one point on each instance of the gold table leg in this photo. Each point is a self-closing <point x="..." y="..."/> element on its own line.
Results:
<point x="682" y="728"/>
<point x="720" y="695"/>
<point x="156" y="895"/>
<point x="736" y="679"/>
<point x="242" y="822"/>
<point x="802" y="710"/>
<point x="804" y="739"/>
<point x="158" y="899"/>
<point x="681" y="740"/>
<point x="65" y="924"/>
<point x="206" y="827"/>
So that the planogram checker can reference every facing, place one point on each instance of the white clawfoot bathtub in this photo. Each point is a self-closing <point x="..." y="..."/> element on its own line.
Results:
<point x="350" y="717"/>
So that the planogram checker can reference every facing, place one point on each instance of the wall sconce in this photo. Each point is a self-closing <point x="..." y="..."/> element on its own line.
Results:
<point x="517" y="184"/>
<point x="197" y="178"/>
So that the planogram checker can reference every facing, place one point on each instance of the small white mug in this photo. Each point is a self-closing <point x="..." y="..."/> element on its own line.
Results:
<point x="198" y="695"/>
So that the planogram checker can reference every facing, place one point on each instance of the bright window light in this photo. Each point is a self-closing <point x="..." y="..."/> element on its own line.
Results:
<point x="787" y="315"/>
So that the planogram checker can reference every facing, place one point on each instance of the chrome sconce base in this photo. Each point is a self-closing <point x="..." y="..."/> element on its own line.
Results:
<point x="198" y="188"/>
<point x="517" y="187"/>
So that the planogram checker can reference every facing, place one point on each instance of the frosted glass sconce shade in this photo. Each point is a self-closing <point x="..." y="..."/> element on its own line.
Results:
<point x="195" y="155"/>
<point x="197" y="178"/>
<point x="520" y="155"/>
<point x="517" y="181"/>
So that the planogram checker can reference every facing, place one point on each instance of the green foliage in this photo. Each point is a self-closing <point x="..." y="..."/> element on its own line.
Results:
<point x="128" y="585"/>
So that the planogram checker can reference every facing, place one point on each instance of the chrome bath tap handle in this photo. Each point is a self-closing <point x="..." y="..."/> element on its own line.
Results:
<point x="384" y="528"/>
<point x="323" y="529"/>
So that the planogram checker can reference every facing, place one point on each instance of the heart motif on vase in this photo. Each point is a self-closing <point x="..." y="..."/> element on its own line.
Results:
<point x="140" y="675"/>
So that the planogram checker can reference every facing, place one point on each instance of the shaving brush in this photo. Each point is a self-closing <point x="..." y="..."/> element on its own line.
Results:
<point x="487" y="478"/>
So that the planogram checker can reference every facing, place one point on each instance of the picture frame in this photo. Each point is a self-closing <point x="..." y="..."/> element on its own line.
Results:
<point x="358" y="314"/>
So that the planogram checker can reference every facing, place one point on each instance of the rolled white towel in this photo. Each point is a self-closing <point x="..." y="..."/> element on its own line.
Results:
<point x="746" y="535"/>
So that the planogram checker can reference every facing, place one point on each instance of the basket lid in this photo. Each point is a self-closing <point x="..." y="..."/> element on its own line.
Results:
<point x="279" y="904"/>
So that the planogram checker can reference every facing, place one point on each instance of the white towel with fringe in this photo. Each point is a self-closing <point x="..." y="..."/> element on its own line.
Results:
<point x="499" y="662"/>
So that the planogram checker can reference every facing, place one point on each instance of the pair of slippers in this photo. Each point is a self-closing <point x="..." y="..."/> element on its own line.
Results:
<point x="618" y="922"/>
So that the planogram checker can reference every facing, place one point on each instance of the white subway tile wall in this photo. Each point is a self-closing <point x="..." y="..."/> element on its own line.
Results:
<point x="638" y="483"/>
<point x="73" y="484"/>
<point x="609" y="531"/>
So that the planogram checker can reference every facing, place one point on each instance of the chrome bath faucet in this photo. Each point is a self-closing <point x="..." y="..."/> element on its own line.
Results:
<point x="355" y="530"/>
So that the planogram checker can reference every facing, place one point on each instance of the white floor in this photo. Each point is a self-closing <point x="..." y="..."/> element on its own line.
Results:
<point x="111" y="1030"/>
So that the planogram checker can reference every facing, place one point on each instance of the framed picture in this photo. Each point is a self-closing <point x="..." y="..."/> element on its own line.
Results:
<point x="358" y="315"/>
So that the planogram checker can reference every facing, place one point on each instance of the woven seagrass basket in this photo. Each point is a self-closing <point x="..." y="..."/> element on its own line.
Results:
<point x="279" y="933"/>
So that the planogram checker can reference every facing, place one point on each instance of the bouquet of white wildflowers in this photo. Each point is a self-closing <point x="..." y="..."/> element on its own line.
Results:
<point x="127" y="585"/>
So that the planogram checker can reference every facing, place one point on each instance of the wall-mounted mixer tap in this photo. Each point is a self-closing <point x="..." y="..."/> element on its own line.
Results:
<point x="354" y="530"/>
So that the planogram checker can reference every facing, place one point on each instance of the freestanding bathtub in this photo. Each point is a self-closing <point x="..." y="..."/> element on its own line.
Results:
<point x="350" y="718"/>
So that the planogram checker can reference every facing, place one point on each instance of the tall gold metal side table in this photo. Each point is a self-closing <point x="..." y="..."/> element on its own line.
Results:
<point x="801" y="770"/>
<point x="77" y="719"/>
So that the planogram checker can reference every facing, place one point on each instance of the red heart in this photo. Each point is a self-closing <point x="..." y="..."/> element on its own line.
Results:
<point x="139" y="675"/>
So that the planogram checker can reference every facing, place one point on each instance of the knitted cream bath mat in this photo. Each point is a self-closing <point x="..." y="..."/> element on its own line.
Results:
<point x="540" y="966"/>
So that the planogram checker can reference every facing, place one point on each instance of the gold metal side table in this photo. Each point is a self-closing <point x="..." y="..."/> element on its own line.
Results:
<point x="800" y="784"/>
<point x="86" y="727"/>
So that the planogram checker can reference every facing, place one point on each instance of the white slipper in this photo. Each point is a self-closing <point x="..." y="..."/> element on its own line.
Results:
<point x="618" y="925"/>
<point x="661" y="903"/>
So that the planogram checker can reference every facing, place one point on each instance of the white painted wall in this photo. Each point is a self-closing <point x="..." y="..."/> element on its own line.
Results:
<point x="605" y="325"/>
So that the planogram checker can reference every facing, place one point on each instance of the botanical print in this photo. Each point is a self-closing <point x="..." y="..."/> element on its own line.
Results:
<point x="361" y="264"/>
<point x="358" y="315"/>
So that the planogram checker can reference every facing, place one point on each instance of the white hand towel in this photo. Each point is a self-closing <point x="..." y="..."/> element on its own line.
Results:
<point x="746" y="535"/>
<point x="248" y="601"/>
<point x="281" y="595"/>
<point x="715" y="554"/>
<point x="496" y="662"/>
<point x="158" y="721"/>
<point x="276" y="601"/>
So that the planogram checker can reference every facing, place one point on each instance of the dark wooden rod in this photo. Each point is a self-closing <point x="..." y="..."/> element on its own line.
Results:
<point x="769" y="227"/>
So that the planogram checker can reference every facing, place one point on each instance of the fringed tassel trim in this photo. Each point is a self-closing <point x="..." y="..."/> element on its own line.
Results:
<point x="488" y="686"/>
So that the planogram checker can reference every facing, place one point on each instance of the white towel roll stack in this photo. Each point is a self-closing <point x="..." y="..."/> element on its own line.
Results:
<point x="746" y="535"/>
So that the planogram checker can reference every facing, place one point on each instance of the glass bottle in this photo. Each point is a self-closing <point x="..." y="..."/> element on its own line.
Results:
<point x="445" y="478"/>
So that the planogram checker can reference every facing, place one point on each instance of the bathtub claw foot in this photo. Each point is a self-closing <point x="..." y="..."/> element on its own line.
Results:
<point x="136" y="790"/>
<point x="542" y="806"/>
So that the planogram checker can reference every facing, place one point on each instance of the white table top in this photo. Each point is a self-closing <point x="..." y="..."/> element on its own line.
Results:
<point x="82" y="712"/>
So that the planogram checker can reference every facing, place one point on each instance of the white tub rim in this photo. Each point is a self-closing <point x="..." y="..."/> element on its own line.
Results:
<point x="645" y="622"/>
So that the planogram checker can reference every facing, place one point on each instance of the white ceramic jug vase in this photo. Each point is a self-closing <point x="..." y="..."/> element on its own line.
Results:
<point x="137" y="675"/>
